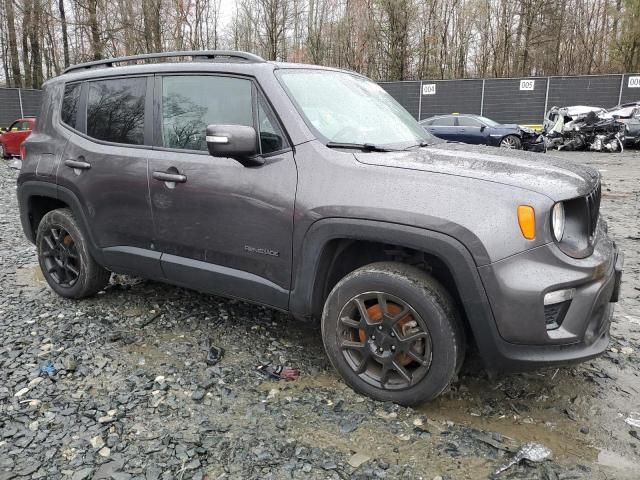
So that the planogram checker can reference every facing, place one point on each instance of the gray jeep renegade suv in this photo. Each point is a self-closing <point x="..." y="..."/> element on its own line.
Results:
<point x="310" y="190"/>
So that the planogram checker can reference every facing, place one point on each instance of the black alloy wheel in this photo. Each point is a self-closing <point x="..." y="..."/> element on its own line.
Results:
<point x="384" y="341"/>
<point x="60" y="257"/>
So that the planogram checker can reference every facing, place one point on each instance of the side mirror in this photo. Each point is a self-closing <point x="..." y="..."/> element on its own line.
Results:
<point x="234" y="141"/>
<point x="482" y="127"/>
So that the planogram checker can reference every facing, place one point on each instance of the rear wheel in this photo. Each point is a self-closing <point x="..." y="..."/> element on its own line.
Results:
<point x="63" y="254"/>
<point x="392" y="332"/>
<point x="3" y="152"/>
<point x="511" y="142"/>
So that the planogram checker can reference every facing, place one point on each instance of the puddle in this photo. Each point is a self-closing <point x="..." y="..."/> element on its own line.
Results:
<point x="30" y="276"/>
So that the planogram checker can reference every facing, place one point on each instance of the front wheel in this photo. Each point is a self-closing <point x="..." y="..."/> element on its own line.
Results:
<point x="393" y="333"/>
<point x="65" y="260"/>
<point x="511" y="142"/>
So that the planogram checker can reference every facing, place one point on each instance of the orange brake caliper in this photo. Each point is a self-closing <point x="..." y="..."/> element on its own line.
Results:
<point x="375" y="314"/>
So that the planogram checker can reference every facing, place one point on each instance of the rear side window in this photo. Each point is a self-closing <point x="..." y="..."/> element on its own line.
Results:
<point x="70" y="102"/>
<point x="468" y="122"/>
<point x="115" y="110"/>
<point x="443" y="122"/>
<point x="190" y="103"/>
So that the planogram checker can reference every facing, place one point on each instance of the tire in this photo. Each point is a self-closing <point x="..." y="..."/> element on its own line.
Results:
<point x="64" y="248"/>
<point x="512" y="142"/>
<point x="3" y="153"/>
<point x="350" y="341"/>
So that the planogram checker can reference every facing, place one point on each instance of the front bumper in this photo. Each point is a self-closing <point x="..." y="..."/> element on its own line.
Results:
<point x="516" y="287"/>
<point x="537" y="146"/>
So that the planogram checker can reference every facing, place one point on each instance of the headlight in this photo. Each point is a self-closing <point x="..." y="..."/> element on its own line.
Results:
<point x="557" y="221"/>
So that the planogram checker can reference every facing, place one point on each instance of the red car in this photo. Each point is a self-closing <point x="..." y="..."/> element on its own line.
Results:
<point x="11" y="140"/>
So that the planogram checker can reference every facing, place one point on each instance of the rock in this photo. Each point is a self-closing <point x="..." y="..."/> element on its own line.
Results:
<point x="626" y="350"/>
<point x="198" y="394"/>
<point x="584" y="429"/>
<point x="82" y="474"/>
<point x="358" y="459"/>
<point x="152" y="473"/>
<point x="21" y="392"/>
<point x="349" y="425"/>
<point x="35" y="381"/>
<point x="97" y="442"/>
<point x="30" y="468"/>
<point x="104" y="452"/>
<point x="120" y="476"/>
<point x="106" y="419"/>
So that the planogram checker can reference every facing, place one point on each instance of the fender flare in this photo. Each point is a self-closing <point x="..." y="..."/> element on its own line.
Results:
<point x="37" y="188"/>
<point x="449" y="250"/>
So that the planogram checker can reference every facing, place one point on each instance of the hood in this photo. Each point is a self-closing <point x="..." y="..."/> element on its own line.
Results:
<point x="544" y="174"/>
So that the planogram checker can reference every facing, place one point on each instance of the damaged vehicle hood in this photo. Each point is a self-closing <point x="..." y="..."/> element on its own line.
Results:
<point x="555" y="178"/>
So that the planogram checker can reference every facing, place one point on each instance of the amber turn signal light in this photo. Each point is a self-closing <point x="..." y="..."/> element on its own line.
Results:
<point x="527" y="221"/>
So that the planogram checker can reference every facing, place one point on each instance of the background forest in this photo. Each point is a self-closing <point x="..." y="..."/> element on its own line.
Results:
<point x="384" y="39"/>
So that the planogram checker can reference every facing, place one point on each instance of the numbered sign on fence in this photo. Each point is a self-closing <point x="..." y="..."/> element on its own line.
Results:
<point x="527" y="84"/>
<point x="429" y="89"/>
<point x="634" y="82"/>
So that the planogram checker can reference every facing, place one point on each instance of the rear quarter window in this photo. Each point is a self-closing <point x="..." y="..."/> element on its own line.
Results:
<point x="70" y="101"/>
<point x="115" y="110"/>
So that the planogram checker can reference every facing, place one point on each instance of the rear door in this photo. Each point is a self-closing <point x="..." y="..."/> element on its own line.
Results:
<point x="226" y="228"/>
<point x="443" y="127"/>
<point x="105" y="165"/>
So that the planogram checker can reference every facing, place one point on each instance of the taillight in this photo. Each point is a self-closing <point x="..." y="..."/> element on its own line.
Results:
<point x="23" y="152"/>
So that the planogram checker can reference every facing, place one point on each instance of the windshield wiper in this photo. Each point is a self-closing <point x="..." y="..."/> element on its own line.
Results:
<point x="421" y="144"/>
<point x="366" y="147"/>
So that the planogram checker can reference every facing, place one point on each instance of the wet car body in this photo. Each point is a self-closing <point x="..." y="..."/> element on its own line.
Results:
<point x="12" y="138"/>
<point x="285" y="228"/>
<point x="478" y="130"/>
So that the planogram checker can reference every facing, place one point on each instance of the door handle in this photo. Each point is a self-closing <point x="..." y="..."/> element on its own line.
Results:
<point x="170" y="177"/>
<point x="77" y="164"/>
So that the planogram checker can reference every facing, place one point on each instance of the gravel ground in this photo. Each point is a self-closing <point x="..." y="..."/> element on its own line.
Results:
<point x="128" y="393"/>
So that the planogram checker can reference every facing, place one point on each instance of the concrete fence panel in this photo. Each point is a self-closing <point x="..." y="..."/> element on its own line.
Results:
<point x="515" y="100"/>
<point x="451" y="96"/>
<point x="16" y="103"/>
<point x="591" y="90"/>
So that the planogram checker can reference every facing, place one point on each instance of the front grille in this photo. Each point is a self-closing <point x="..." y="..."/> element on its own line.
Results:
<point x="593" y="209"/>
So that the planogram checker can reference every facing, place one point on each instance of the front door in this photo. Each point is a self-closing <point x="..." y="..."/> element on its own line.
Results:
<point x="470" y="131"/>
<point x="105" y="165"/>
<point x="223" y="227"/>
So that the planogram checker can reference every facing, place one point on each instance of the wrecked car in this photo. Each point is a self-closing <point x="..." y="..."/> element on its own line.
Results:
<point x="479" y="130"/>
<point x="582" y="127"/>
<point x="310" y="190"/>
<point x="629" y="115"/>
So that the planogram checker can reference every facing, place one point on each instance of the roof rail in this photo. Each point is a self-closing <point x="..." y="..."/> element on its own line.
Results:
<point x="194" y="54"/>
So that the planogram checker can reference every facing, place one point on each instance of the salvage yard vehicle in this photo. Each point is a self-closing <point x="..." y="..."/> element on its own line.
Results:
<point x="11" y="140"/>
<point x="478" y="130"/>
<point x="629" y="115"/>
<point x="310" y="190"/>
<point x="581" y="127"/>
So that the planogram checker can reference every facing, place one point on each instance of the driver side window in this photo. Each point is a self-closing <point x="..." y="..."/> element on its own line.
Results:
<point x="468" y="122"/>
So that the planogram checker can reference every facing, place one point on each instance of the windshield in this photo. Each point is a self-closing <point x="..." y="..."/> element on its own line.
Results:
<point x="488" y="122"/>
<point x="345" y="108"/>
